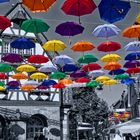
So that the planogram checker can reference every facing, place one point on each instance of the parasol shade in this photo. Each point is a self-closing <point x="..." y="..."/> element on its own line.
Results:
<point x="4" y="22"/>
<point x="38" y="76"/>
<point x="26" y="68"/>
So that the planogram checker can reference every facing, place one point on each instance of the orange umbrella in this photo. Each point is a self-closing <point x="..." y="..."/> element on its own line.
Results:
<point x="27" y="87"/>
<point x="132" y="31"/>
<point x="19" y="76"/>
<point x="112" y="66"/>
<point x="66" y="81"/>
<point x="38" y="5"/>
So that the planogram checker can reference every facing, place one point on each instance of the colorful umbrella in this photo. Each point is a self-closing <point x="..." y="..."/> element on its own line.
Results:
<point x="132" y="31"/>
<point x="2" y="84"/>
<point x="113" y="10"/>
<point x="59" y="85"/>
<point x="128" y="81"/>
<point x="13" y="83"/>
<point x="31" y="82"/>
<point x="116" y="72"/>
<point x="12" y="87"/>
<point x="70" y="68"/>
<point x="3" y="76"/>
<point x="78" y="7"/>
<point x="133" y="46"/>
<point x="1" y="88"/>
<point x="38" y="76"/>
<point x="102" y="78"/>
<point x="19" y="76"/>
<point x="22" y="43"/>
<point x="77" y="74"/>
<point x="92" y="83"/>
<point x="138" y="19"/>
<point x="109" y="46"/>
<point x="48" y="82"/>
<point x="111" y="58"/>
<point x="48" y="68"/>
<point x="1" y="1"/>
<point x="121" y="76"/>
<point x="106" y="30"/>
<point x="34" y="26"/>
<point x="133" y="70"/>
<point x="39" y="5"/>
<point x="131" y="64"/>
<point x="26" y="68"/>
<point x="12" y="58"/>
<point x="66" y="81"/>
<point x="54" y="45"/>
<point x="42" y="87"/>
<point x="58" y="75"/>
<point x="82" y="80"/>
<point x="112" y="66"/>
<point x="38" y="59"/>
<point x="133" y="56"/>
<point x="6" y="67"/>
<point x="4" y="22"/>
<point x="96" y="73"/>
<point x="27" y="87"/>
<point x="62" y="60"/>
<point x="87" y="59"/>
<point x="91" y="66"/>
<point x="110" y="82"/>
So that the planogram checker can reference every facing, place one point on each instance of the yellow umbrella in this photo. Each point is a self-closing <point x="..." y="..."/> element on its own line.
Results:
<point x="1" y="88"/>
<point x="111" y="58"/>
<point x="26" y="68"/>
<point x="138" y="19"/>
<point x="54" y="45"/>
<point x="102" y="78"/>
<point x="66" y="81"/>
<point x="110" y="82"/>
<point x="38" y="76"/>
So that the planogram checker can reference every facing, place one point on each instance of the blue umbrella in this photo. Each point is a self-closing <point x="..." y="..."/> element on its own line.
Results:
<point x="22" y="43"/>
<point x="48" y="82"/>
<point x="48" y="68"/>
<point x="128" y="81"/>
<point x="1" y="1"/>
<point x="116" y="72"/>
<point x="133" y="46"/>
<point x="133" y="56"/>
<point x="113" y="10"/>
<point x="70" y="68"/>
<point x="96" y="73"/>
<point x="12" y="87"/>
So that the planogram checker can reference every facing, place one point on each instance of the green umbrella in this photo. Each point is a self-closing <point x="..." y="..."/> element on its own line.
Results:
<point x="2" y="83"/>
<point x="57" y="75"/>
<point x="5" y="67"/>
<point x="121" y="76"/>
<point x="87" y="59"/>
<point x="34" y="26"/>
<point x="92" y="83"/>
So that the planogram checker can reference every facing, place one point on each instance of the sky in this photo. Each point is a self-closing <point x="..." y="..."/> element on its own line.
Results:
<point x="55" y="16"/>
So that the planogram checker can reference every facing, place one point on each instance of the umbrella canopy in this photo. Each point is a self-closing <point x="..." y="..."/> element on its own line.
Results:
<point x="62" y="60"/>
<point x="109" y="46"/>
<point x="131" y="64"/>
<point x="87" y="59"/>
<point x="106" y="30"/>
<point x="1" y="88"/>
<point x="96" y="73"/>
<point x="38" y="59"/>
<point x="38" y="76"/>
<point x="54" y="45"/>
<point x="92" y="83"/>
<point x="19" y="76"/>
<point x="121" y="76"/>
<point x="70" y="68"/>
<point x="31" y="82"/>
<point x="110" y="82"/>
<point x="12" y="58"/>
<point x="13" y="83"/>
<point x="133" y="46"/>
<point x="27" y="87"/>
<point x="3" y="76"/>
<point x="82" y="80"/>
<point x="116" y="72"/>
<point x="48" y="82"/>
<point x="40" y="87"/>
<point x="4" y="22"/>
<point x="6" y="67"/>
<point x="58" y="75"/>
<point x="112" y="66"/>
<point x="115" y="10"/>
<point x="77" y="74"/>
<point x="26" y="68"/>
<point x="138" y="19"/>
<point x="69" y="29"/>
<point x="133" y="56"/>
<point x="48" y="68"/>
<point x="39" y="5"/>
<point x="133" y="70"/>
<point x="102" y="78"/>
<point x="34" y="26"/>
<point x="66" y="81"/>
<point x="22" y="43"/>
<point x="1" y="1"/>
<point x="2" y="84"/>
<point x="111" y="58"/>
<point x="82" y="46"/>
<point x="128" y="81"/>
<point x="91" y="66"/>
<point x="12" y="87"/>
<point x="59" y="85"/>
<point x="132" y="31"/>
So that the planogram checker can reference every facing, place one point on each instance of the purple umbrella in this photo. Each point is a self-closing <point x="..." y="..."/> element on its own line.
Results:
<point x="42" y="87"/>
<point x="12" y="58"/>
<point x="78" y="74"/>
<point x="13" y="83"/>
<point x="131" y="64"/>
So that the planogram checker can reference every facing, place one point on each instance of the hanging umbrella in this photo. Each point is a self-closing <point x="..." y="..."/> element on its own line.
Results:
<point x="48" y="68"/>
<point x="62" y="60"/>
<point x="131" y="64"/>
<point x="121" y="76"/>
<point x="12" y="87"/>
<point x="133" y="56"/>
<point x="132" y="31"/>
<point x="2" y="88"/>
<point x="128" y="81"/>
<point x="58" y="75"/>
<point x="111" y="58"/>
<point x="116" y="72"/>
<point x="88" y="58"/>
<point x="66" y="81"/>
<point x="96" y="73"/>
<point x="38" y="76"/>
<point x="113" y="10"/>
<point x="106" y="30"/>
<point x="26" y="68"/>
<point x="138" y="19"/>
<point x="109" y="46"/>
<point x="13" y="83"/>
<point x="2" y="1"/>
<point x="2" y="84"/>
<point x="133" y="70"/>
<point x="31" y="82"/>
<point x="48" y="82"/>
<point x="59" y="86"/>
<point x="19" y="76"/>
<point x="39" y="5"/>
<point x="77" y="74"/>
<point x="133" y="46"/>
<point x="78" y="7"/>
<point x="3" y="76"/>
<point x="112" y="66"/>
<point x="12" y="58"/>
<point x="27" y="87"/>
<point x="110" y="82"/>
<point x="34" y="26"/>
<point x="82" y="80"/>
<point x="102" y="78"/>
<point x="70" y="68"/>
<point x="22" y="43"/>
<point x="6" y="67"/>
<point x="4" y="22"/>
<point x="54" y="45"/>
<point x="38" y="59"/>
<point x="91" y="66"/>
<point x="92" y="83"/>
<point x="42" y="87"/>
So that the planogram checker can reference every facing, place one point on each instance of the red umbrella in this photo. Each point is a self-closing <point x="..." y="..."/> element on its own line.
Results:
<point x="38" y="59"/>
<point x="3" y="76"/>
<point x="4" y="22"/>
<point x="59" y="85"/>
<point x="109" y="46"/>
<point x="91" y="66"/>
<point x="133" y="70"/>
<point x="82" y="80"/>
<point x="78" y="7"/>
